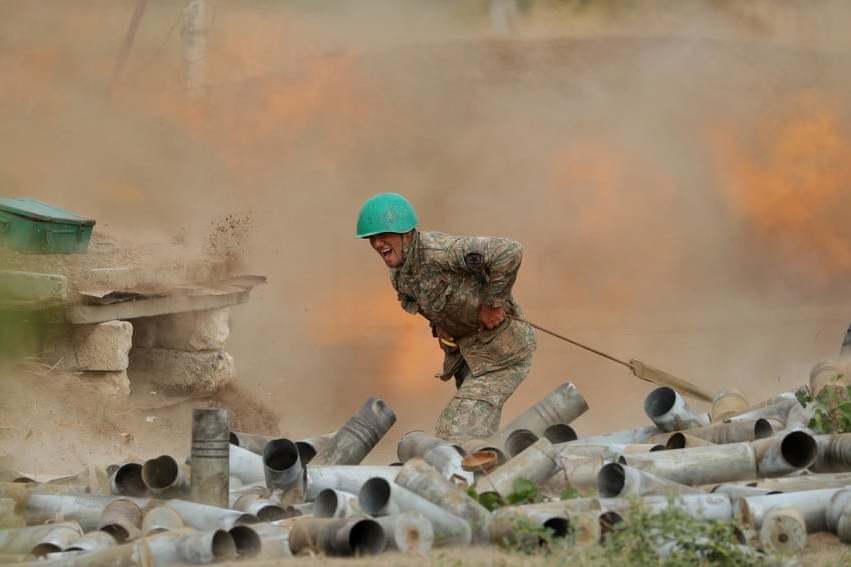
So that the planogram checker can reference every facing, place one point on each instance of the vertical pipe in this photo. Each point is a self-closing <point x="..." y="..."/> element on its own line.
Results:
<point x="210" y="457"/>
<point x="283" y="469"/>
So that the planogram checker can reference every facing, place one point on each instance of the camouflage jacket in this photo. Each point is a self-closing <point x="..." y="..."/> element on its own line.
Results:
<point x="446" y="279"/>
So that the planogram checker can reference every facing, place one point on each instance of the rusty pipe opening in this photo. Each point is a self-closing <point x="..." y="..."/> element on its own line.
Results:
<point x="223" y="545"/>
<point x="128" y="480"/>
<point x="762" y="429"/>
<point x="660" y="401"/>
<point x="559" y="526"/>
<point x="160" y="473"/>
<point x="375" y="495"/>
<point x="246" y="541"/>
<point x="560" y="433"/>
<point x="608" y="520"/>
<point x="518" y="440"/>
<point x="611" y="480"/>
<point x="799" y="449"/>
<point x="366" y="537"/>
<point x="676" y="441"/>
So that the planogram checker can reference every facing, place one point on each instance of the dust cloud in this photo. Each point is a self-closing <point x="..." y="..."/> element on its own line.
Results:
<point x="676" y="172"/>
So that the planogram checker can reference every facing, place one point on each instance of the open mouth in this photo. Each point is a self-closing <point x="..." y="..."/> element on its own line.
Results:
<point x="386" y="253"/>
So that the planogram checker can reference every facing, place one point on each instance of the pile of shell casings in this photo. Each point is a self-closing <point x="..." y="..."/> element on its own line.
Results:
<point x="242" y="495"/>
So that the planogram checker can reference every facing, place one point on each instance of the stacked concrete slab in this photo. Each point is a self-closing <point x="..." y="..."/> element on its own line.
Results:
<point x="184" y="351"/>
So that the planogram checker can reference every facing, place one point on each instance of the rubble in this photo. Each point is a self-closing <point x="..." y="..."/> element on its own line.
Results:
<point x="243" y="495"/>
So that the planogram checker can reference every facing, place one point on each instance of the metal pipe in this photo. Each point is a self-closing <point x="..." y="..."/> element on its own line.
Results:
<point x="537" y="464"/>
<point x="274" y="541"/>
<point x="619" y="481"/>
<point x="210" y="457"/>
<point x="627" y="436"/>
<point x="122" y="519"/>
<point x="777" y="408"/>
<point x="160" y="519"/>
<point x="829" y="373"/>
<point x="126" y="480"/>
<point x="560" y="433"/>
<point x="783" y="531"/>
<point x="190" y="546"/>
<point x="561" y="406"/>
<point x="670" y="412"/>
<point x="57" y="539"/>
<point x="834" y="453"/>
<point x="332" y="503"/>
<point x="342" y="537"/>
<point x="811" y="503"/>
<point x="18" y="541"/>
<point x="422" y="479"/>
<point x="253" y="442"/>
<point x="93" y="541"/>
<point x="348" y="478"/>
<point x="700" y="465"/>
<point x="380" y="497"/>
<point x="257" y="504"/>
<point x="245" y="465"/>
<point x="410" y="532"/>
<point x="784" y="454"/>
<point x="680" y="440"/>
<point x="733" y="431"/>
<point x="283" y="468"/>
<point x="576" y="472"/>
<point x="358" y="435"/>
<point x="446" y="457"/>
<point x="246" y="540"/>
<point x="727" y="403"/>
<point x="706" y="506"/>
<point x="518" y="440"/>
<point x="798" y="482"/>
<point x="505" y="528"/>
<point x="206" y="518"/>
<point x="308" y="448"/>
<point x="83" y="509"/>
<point x="839" y="502"/>
<point x="162" y="476"/>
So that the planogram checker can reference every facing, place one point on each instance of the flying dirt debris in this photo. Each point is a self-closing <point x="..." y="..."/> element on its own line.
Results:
<point x="759" y="474"/>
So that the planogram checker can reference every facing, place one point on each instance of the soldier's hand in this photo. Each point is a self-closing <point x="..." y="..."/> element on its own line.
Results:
<point x="491" y="317"/>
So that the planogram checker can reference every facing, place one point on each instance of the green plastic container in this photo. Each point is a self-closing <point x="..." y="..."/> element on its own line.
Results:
<point x="34" y="227"/>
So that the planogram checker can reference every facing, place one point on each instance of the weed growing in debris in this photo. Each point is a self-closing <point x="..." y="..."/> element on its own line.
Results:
<point x="831" y="408"/>
<point x="525" y="492"/>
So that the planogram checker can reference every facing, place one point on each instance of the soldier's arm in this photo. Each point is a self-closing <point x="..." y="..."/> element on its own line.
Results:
<point x="495" y="259"/>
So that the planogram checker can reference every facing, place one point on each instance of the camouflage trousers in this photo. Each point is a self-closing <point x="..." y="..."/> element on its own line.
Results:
<point x="475" y="410"/>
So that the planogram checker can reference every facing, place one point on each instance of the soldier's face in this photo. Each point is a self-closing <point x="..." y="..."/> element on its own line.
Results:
<point x="389" y="247"/>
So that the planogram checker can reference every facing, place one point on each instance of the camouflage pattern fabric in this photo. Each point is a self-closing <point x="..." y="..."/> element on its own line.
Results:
<point x="446" y="279"/>
<point x="475" y="410"/>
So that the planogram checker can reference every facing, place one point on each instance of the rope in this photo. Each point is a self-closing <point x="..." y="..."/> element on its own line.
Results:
<point x="571" y="341"/>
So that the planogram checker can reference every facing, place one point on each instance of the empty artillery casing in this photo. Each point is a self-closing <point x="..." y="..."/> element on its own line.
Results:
<point x="356" y="438"/>
<point x="253" y="442"/>
<point x="331" y="503"/>
<point x="681" y="440"/>
<point x="537" y="463"/>
<point x="308" y="448"/>
<point x="122" y="519"/>
<point x="93" y="541"/>
<point x="670" y="412"/>
<point x="421" y="478"/>
<point x="618" y="481"/>
<point x="733" y="431"/>
<point x="783" y="531"/>
<point x="348" y="478"/>
<point x="274" y="541"/>
<point x="210" y="457"/>
<point x="57" y="539"/>
<point x="245" y="465"/>
<point x="785" y="453"/>
<point x="379" y="497"/>
<point x="444" y="456"/>
<point x="127" y="480"/>
<point x="283" y="468"/>
<point x="342" y="537"/>
<point x="811" y="503"/>
<point x="163" y="477"/>
<point x="834" y="453"/>
<point x="159" y="519"/>
<point x="203" y="517"/>
<point x="727" y="403"/>
<point x="18" y="541"/>
<point x="700" y="465"/>
<point x="409" y="532"/>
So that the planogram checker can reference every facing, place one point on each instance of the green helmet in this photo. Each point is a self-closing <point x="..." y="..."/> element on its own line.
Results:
<point x="386" y="212"/>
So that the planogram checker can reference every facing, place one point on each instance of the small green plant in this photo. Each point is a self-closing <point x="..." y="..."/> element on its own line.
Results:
<point x="525" y="492"/>
<point x="831" y="407"/>
<point x="569" y="493"/>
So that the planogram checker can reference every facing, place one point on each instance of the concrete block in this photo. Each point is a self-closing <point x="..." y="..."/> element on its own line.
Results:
<point x="102" y="347"/>
<point x="194" y="330"/>
<point x="112" y="384"/>
<point x="32" y="287"/>
<point x="179" y="370"/>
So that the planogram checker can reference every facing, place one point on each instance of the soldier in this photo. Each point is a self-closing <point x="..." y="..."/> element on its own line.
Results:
<point x="462" y="285"/>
